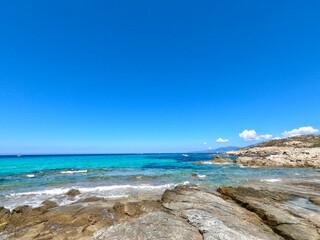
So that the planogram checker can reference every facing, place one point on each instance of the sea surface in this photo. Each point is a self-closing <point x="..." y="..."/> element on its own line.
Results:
<point x="32" y="179"/>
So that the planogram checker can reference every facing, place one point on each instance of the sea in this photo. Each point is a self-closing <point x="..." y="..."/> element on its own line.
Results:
<point x="29" y="180"/>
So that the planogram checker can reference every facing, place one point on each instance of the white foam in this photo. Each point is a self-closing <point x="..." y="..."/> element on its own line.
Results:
<point x="271" y="180"/>
<point x="30" y="175"/>
<point x="74" y="171"/>
<point x="59" y="191"/>
<point x="206" y="162"/>
<point x="202" y="176"/>
<point x="119" y="187"/>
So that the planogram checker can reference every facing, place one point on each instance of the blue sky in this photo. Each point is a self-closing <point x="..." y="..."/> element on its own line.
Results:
<point x="155" y="76"/>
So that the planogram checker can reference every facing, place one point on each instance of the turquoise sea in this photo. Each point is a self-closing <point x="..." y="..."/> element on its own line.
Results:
<point x="32" y="179"/>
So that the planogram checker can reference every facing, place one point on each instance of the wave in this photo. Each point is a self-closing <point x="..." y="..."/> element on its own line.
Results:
<point x="271" y="180"/>
<point x="60" y="191"/>
<point x="214" y="163"/>
<point x="202" y="176"/>
<point x="74" y="171"/>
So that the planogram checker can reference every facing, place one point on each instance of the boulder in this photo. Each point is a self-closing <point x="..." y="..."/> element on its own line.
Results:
<point x="73" y="192"/>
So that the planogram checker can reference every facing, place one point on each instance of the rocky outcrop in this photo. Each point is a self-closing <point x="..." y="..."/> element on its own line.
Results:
<point x="302" y="151"/>
<point x="214" y="217"/>
<point x="274" y="209"/>
<point x="255" y="212"/>
<point x="217" y="160"/>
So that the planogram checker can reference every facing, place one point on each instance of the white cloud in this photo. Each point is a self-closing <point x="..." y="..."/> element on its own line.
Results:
<point x="221" y="140"/>
<point x="205" y="143"/>
<point x="209" y="148"/>
<point x="250" y="135"/>
<point x="265" y="136"/>
<point x="300" y="131"/>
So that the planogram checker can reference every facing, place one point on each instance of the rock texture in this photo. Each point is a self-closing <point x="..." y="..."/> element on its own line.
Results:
<point x="153" y="226"/>
<point x="298" y="151"/>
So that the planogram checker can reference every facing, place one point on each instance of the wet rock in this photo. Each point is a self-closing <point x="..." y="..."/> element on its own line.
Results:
<point x="73" y="192"/>
<point x="315" y="200"/>
<point x="154" y="226"/>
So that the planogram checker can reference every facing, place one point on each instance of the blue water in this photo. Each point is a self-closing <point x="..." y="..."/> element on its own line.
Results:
<point x="32" y="179"/>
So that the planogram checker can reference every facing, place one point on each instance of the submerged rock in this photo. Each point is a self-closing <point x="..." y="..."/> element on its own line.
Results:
<point x="217" y="160"/>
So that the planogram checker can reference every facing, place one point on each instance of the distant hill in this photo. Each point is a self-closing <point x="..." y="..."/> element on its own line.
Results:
<point x="220" y="150"/>
<point x="308" y="141"/>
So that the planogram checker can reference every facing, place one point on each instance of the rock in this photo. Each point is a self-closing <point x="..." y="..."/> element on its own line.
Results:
<point x="315" y="200"/>
<point x="214" y="217"/>
<point x="217" y="160"/>
<point x="275" y="210"/>
<point x="49" y="204"/>
<point x="73" y="192"/>
<point x="293" y="152"/>
<point x="4" y="214"/>
<point x="130" y="209"/>
<point x="4" y="217"/>
<point x="154" y="226"/>
<point x="262" y="210"/>
<point x="93" y="199"/>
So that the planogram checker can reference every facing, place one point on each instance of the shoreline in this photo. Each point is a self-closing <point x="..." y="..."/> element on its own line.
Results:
<point x="269" y="207"/>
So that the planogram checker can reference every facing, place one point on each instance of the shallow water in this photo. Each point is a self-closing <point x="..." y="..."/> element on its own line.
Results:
<point x="32" y="179"/>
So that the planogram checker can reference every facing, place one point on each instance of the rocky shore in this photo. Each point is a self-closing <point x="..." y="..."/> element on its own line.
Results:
<point x="217" y="160"/>
<point x="287" y="209"/>
<point x="293" y="152"/>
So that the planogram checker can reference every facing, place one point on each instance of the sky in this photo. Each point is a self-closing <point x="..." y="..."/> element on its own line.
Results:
<point x="125" y="76"/>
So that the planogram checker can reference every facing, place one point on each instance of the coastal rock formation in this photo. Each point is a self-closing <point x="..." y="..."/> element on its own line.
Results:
<point x="290" y="224"/>
<point x="258" y="211"/>
<point x="298" y="151"/>
<point x="217" y="160"/>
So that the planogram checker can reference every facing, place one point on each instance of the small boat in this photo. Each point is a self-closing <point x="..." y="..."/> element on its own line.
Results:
<point x="185" y="155"/>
